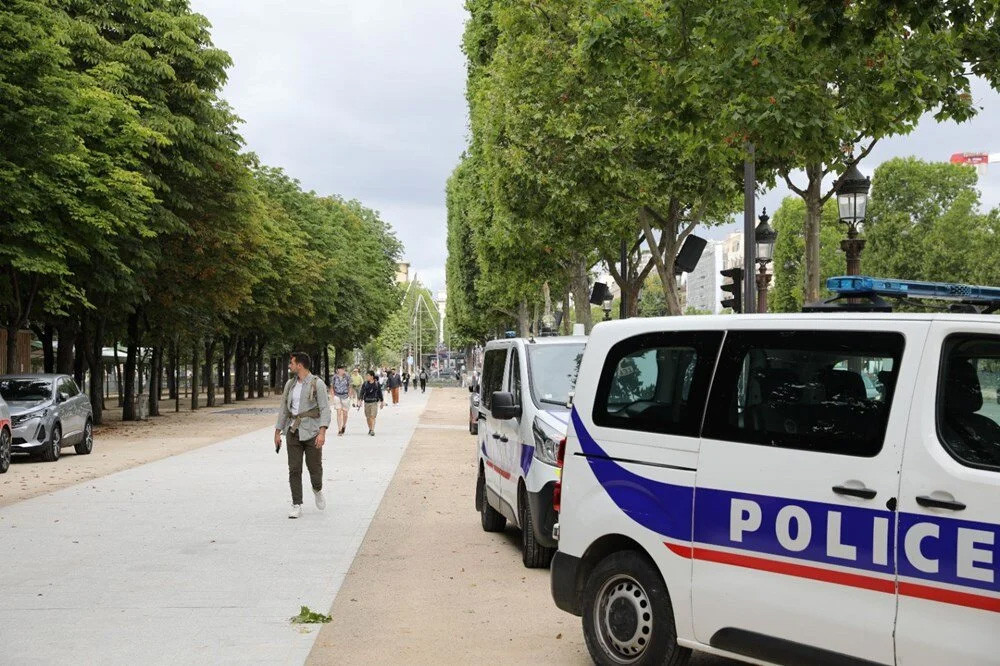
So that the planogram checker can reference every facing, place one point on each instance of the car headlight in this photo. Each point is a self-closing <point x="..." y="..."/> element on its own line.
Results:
<point x="546" y="443"/>
<point x="24" y="418"/>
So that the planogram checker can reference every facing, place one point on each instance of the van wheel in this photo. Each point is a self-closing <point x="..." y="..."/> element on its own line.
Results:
<point x="492" y="520"/>
<point x="533" y="554"/>
<point x="627" y="616"/>
<point x="86" y="445"/>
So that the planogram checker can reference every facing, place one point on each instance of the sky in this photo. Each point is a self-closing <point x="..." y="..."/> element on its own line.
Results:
<point x="366" y="99"/>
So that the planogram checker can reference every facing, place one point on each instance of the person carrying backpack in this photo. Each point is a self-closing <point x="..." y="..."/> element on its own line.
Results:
<point x="423" y="380"/>
<point x="371" y="395"/>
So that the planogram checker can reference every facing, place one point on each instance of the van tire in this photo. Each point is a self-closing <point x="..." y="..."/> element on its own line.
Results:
<point x="533" y="554"/>
<point x="492" y="520"/>
<point x="629" y="579"/>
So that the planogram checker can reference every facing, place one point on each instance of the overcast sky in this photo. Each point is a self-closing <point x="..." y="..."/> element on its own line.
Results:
<point x="365" y="98"/>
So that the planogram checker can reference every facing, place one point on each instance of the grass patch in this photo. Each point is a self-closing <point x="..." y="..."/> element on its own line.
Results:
<point x="307" y="616"/>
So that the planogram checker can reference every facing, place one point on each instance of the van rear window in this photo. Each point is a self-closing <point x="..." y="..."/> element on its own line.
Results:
<point x="826" y="391"/>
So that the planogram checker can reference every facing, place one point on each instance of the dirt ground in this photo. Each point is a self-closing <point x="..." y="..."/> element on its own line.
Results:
<point x="428" y="586"/>
<point x="119" y="445"/>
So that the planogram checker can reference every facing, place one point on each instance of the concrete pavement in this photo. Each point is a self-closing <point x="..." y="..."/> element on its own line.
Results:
<point x="191" y="559"/>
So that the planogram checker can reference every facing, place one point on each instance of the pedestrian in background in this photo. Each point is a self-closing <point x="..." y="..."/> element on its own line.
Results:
<point x="303" y="418"/>
<point x="406" y="381"/>
<point x="341" y="391"/>
<point x="371" y="396"/>
<point x="356" y="381"/>
<point x="394" y="382"/>
<point x="423" y="380"/>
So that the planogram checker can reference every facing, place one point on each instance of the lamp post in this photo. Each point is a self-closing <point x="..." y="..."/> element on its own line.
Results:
<point x="852" y="200"/>
<point x="764" y="237"/>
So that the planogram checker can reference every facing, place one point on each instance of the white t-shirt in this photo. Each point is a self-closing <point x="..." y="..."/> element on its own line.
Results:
<point x="296" y="396"/>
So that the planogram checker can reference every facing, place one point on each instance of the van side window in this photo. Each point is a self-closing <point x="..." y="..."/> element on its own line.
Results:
<point x="493" y="366"/>
<point x="657" y="382"/>
<point x="968" y="405"/>
<point x="515" y="375"/>
<point x="824" y="391"/>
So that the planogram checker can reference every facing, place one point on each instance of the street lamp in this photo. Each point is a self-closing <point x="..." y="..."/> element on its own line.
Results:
<point x="852" y="199"/>
<point x="764" y="237"/>
<point x="607" y="309"/>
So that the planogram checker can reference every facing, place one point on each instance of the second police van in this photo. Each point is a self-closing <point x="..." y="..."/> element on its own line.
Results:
<point x="525" y="388"/>
<point x="785" y="489"/>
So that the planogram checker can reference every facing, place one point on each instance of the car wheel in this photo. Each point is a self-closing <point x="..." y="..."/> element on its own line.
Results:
<point x="533" y="554"/>
<point x="627" y="616"/>
<point x="54" y="447"/>
<point x="86" y="445"/>
<point x="4" y="450"/>
<point x="492" y="520"/>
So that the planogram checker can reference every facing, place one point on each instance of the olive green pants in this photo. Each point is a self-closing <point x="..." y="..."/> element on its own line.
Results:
<point x="314" y="461"/>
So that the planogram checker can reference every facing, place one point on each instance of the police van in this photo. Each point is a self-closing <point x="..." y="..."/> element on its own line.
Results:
<point x="785" y="489"/>
<point x="524" y="392"/>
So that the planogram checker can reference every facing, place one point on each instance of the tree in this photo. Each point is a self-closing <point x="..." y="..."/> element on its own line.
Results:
<point x="787" y="293"/>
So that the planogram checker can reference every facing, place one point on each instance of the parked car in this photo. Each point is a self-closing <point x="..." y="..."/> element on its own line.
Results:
<point x="47" y="412"/>
<point x="5" y="437"/>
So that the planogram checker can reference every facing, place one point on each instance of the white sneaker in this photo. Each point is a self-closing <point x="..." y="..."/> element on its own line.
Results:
<point x="296" y="511"/>
<point x="320" y="500"/>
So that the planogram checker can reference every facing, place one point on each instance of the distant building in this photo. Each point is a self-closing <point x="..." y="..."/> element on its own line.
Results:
<point x="732" y="250"/>
<point x="403" y="272"/>
<point x="704" y="283"/>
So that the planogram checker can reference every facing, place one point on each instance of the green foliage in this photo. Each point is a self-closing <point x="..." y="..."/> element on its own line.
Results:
<point x="786" y="293"/>
<point x="307" y="616"/>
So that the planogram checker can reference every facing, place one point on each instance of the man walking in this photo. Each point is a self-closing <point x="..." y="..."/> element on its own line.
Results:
<point x="303" y="417"/>
<point x="341" y="390"/>
<point x="394" y="382"/>
<point x="423" y="380"/>
<point x="406" y="381"/>
<point x="371" y="395"/>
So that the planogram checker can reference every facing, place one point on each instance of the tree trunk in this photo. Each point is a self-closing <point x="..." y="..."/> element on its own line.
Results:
<point x="240" y="367"/>
<point x="128" y="400"/>
<point x="66" y="333"/>
<point x="567" y="325"/>
<point x="12" y="349"/>
<point x="79" y="357"/>
<point x="118" y="375"/>
<point x="326" y="364"/>
<point x="227" y="377"/>
<point x="94" y="350"/>
<point x="45" y="335"/>
<point x="195" y="357"/>
<point x="814" y="216"/>
<point x="580" y="282"/>
<point x="155" y="377"/>
<point x="210" y="381"/>
<point x="172" y="374"/>
<point x="523" y="321"/>
<point x="260" y="368"/>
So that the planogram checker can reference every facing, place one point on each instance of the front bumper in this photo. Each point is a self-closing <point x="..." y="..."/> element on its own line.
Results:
<point x="28" y="437"/>
<point x="543" y="516"/>
<point x="565" y="575"/>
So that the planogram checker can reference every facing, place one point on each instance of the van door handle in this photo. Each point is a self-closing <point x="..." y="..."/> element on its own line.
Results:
<point x="935" y="503"/>
<point x="504" y="439"/>
<point x="496" y="435"/>
<point x="863" y="493"/>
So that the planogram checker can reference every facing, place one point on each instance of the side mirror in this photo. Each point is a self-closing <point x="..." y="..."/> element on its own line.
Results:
<point x="62" y="397"/>
<point x="503" y="407"/>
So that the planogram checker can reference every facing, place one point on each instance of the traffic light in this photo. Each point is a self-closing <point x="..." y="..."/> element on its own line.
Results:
<point x="735" y="287"/>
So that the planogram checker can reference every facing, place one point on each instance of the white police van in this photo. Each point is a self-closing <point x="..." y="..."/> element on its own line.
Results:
<point x="524" y="392"/>
<point x="785" y="489"/>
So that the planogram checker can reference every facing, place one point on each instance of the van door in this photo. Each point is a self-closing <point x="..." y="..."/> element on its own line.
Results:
<point x="494" y="367"/>
<point x="796" y="491"/>
<point x="510" y="433"/>
<point x="949" y="531"/>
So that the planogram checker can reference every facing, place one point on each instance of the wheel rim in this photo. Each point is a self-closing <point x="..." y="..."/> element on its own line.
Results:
<point x="88" y="438"/>
<point x="56" y="442"/>
<point x="624" y="619"/>
<point x="5" y="450"/>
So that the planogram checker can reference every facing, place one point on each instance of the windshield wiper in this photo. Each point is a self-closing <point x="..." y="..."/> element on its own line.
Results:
<point x="552" y="402"/>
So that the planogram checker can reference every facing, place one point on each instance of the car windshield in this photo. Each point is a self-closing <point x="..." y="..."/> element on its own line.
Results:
<point x="553" y="370"/>
<point x="25" y="390"/>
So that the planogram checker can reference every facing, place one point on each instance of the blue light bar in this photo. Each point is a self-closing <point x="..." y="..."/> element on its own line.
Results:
<point x="849" y="285"/>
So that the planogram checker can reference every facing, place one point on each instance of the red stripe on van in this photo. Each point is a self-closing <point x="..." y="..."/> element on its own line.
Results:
<point x="502" y="472"/>
<point x="888" y="586"/>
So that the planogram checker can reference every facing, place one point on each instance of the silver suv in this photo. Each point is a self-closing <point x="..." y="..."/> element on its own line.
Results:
<point x="47" y="412"/>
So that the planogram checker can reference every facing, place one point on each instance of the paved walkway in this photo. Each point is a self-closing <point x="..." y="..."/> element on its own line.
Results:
<point x="191" y="559"/>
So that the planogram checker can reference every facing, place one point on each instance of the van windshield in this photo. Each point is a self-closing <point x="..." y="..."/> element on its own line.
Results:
<point x="553" y="370"/>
